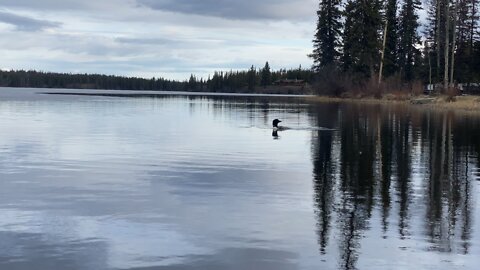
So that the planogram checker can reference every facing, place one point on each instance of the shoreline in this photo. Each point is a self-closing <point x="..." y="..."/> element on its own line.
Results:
<point x="465" y="104"/>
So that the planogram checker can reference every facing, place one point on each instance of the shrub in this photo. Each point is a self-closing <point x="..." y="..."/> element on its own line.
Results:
<point x="451" y="94"/>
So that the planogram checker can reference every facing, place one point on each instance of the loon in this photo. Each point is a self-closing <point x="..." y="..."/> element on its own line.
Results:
<point x="275" y="124"/>
<point x="276" y="127"/>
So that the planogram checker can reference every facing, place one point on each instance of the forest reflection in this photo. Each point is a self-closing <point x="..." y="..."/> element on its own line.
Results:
<point x="412" y="169"/>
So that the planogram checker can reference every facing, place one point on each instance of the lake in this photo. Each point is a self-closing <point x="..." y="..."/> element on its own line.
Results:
<point x="154" y="181"/>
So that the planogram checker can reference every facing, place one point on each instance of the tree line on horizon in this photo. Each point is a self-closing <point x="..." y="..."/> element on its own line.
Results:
<point x="248" y="80"/>
<point x="38" y="79"/>
<point x="245" y="81"/>
<point x="381" y="41"/>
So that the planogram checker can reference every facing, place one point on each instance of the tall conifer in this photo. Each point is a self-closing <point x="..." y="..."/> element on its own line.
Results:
<point x="391" y="57"/>
<point x="408" y="38"/>
<point x="361" y="45"/>
<point x="252" y="78"/>
<point x="326" y="42"/>
<point x="266" y="75"/>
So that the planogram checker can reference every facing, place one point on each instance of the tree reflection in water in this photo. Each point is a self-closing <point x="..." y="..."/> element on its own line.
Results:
<point x="400" y="164"/>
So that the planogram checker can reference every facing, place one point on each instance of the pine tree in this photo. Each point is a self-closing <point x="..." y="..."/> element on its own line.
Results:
<point x="192" y="83"/>
<point x="462" y="51"/>
<point x="361" y="45"/>
<point x="350" y="50"/>
<point x="266" y="75"/>
<point x="408" y="38"/>
<point x="434" y="33"/>
<point x="252" y="78"/>
<point x="391" y="57"/>
<point x="467" y="27"/>
<point x="326" y="42"/>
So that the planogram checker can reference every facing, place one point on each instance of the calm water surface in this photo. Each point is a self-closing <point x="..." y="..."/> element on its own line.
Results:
<point x="199" y="182"/>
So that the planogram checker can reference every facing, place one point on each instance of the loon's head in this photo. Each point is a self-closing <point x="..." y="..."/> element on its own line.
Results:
<point x="275" y="123"/>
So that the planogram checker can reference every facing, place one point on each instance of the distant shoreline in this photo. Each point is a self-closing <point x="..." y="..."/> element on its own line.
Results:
<point x="141" y="93"/>
<point x="436" y="103"/>
<point x="136" y="93"/>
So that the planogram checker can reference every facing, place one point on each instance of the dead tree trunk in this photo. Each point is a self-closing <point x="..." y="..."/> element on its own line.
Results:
<point x="380" y="73"/>
<point x="454" y="41"/>
<point x="446" y="50"/>
<point x="438" y="48"/>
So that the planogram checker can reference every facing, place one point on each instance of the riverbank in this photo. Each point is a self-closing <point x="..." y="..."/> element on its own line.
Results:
<point x="458" y="103"/>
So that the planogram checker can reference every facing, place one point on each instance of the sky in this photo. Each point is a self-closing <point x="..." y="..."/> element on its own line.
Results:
<point x="155" y="38"/>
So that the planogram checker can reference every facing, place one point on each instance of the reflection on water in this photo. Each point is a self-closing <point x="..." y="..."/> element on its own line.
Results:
<point x="409" y="175"/>
<point x="202" y="182"/>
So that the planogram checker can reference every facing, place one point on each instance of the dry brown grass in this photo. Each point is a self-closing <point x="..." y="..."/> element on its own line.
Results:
<point x="469" y="104"/>
<point x="464" y="103"/>
<point x="354" y="99"/>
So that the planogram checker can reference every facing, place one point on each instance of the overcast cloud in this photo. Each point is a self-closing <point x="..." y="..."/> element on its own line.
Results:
<point x="23" y="23"/>
<point x="161" y="38"/>
<point x="242" y="10"/>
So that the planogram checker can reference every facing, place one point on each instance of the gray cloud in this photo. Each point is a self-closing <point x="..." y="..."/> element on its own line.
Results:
<point x="185" y="43"/>
<point x="44" y="4"/>
<point x="148" y="41"/>
<point x="237" y="10"/>
<point x="149" y="38"/>
<point x="23" y="23"/>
